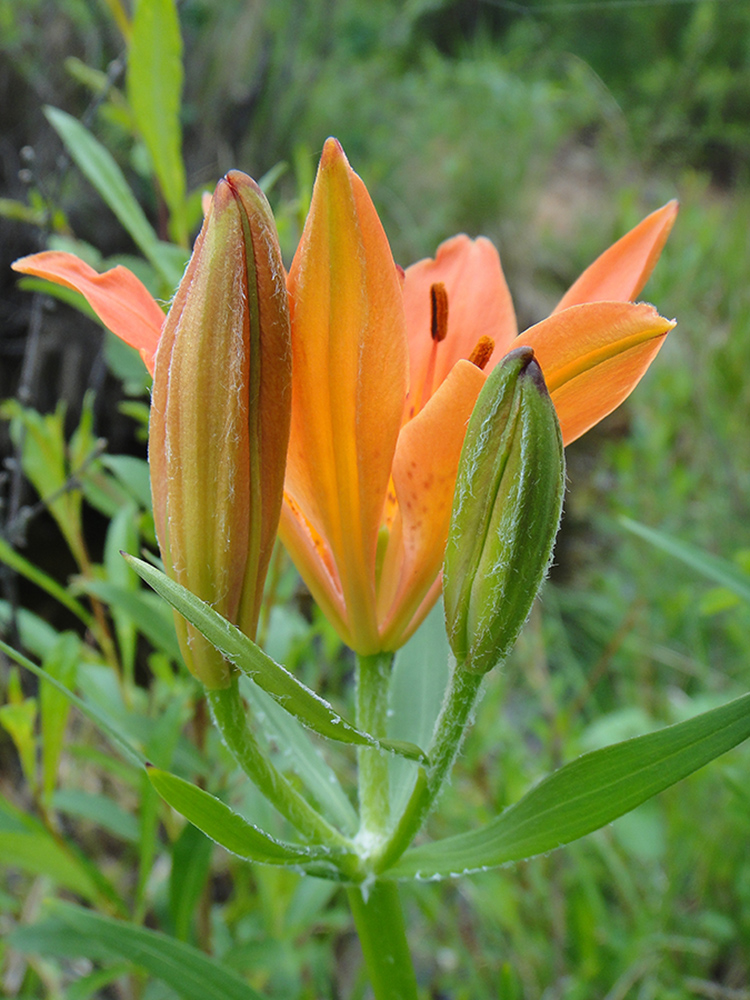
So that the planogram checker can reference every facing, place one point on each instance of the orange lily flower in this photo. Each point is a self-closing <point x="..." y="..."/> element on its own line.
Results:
<point x="386" y="369"/>
<point x="385" y="376"/>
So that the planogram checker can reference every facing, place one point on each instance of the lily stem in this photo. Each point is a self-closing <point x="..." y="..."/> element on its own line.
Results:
<point x="232" y="718"/>
<point x="373" y="676"/>
<point x="450" y="729"/>
<point x="379" y="920"/>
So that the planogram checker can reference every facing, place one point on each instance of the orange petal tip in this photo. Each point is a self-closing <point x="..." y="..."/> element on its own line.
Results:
<point x="332" y="148"/>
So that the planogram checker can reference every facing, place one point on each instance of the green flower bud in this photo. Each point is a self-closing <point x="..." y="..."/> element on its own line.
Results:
<point x="220" y="417"/>
<point x="506" y="512"/>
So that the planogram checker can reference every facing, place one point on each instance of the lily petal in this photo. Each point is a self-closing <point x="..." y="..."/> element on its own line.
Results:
<point x="120" y="300"/>
<point x="350" y="373"/>
<point x="424" y="476"/>
<point x="593" y="356"/>
<point x="314" y="563"/>
<point x="620" y="272"/>
<point x="479" y="305"/>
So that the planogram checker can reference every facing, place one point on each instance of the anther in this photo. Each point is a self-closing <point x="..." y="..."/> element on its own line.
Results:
<point x="482" y="352"/>
<point x="439" y="304"/>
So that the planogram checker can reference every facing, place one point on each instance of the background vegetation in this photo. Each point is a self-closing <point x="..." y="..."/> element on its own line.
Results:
<point x="550" y="127"/>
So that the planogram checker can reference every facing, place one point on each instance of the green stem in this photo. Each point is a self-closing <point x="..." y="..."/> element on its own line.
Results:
<point x="232" y="719"/>
<point x="379" y="920"/>
<point x="450" y="730"/>
<point x="373" y="675"/>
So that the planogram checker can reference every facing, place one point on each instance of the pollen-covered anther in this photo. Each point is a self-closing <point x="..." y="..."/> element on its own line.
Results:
<point x="482" y="352"/>
<point x="439" y="307"/>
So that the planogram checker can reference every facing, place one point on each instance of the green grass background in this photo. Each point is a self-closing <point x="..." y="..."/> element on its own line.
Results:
<point x="552" y="128"/>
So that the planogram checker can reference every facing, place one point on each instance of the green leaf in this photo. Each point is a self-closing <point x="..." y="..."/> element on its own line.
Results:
<point x="147" y="613"/>
<point x="38" y="853"/>
<point x="584" y="795"/>
<point x="100" y="168"/>
<point x="227" y="827"/>
<point x="154" y="92"/>
<point x="37" y="635"/>
<point x="21" y="565"/>
<point x="148" y="829"/>
<point x="156" y="734"/>
<point x="62" y="664"/>
<point x="122" y="534"/>
<point x="304" y="758"/>
<point x="19" y="211"/>
<point x="719" y="570"/>
<point x="312" y="710"/>
<point x="307" y="905"/>
<point x="73" y="931"/>
<point x="98" y="809"/>
<point x="418" y="683"/>
<point x="95" y="982"/>
<point x="42" y="438"/>
<point x="99" y="718"/>
<point x="18" y="719"/>
<point x="191" y="865"/>
<point x="14" y="820"/>
<point x="44" y="461"/>
<point x="132" y="474"/>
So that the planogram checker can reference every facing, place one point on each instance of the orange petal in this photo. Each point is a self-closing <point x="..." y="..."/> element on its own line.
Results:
<point x="349" y="379"/>
<point x="315" y="565"/>
<point x="119" y="299"/>
<point x="424" y="608"/>
<point x="593" y="356"/>
<point x="479" y="305"/>
<point x="424" y="475"/>
<point x="622" y="271"/>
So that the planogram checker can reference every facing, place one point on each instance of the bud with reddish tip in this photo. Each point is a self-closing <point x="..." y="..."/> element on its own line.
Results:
<point x="506" y="512"/>
<point x="220" y="417"/>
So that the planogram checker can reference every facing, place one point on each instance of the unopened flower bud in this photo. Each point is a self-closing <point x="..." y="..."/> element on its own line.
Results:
<point x="220" y="417"/>
<point x="506" y="512"/>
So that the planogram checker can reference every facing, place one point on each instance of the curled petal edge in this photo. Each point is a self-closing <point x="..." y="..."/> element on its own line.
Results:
<point x="120" y="300"/>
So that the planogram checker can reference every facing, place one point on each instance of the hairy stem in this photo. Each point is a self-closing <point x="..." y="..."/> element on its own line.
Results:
<point x="373" y="675"/>
<point x="232" y="718"/>
<point x="379" y="920"/>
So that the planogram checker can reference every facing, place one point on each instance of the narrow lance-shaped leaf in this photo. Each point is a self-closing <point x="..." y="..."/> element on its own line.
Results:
<point x="192" y="974"/>
<point x="300" y="755"/>
<point x="62" y="664"/>
<point x="155" y="90"/>
<point x="190" y="872"/>
<point x="584" y="795"/>
<point x="304" y="704"/>
<point x="91" y="711"/>
<point x="721" y="571"/>
<point x="99" y="167"/>
<point x="24" y="567"/>
<point x="227" y="827"/>
<point x="39" y="854"/>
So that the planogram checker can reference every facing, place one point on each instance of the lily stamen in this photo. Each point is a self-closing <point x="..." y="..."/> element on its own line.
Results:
<point x="438" y="331"/>
<point x="439" y="311"/>
<point x="482" y="352"/>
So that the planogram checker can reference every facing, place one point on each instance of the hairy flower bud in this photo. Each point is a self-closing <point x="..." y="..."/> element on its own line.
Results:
<point x="220" y="416"/>
<point x="506" y="512"/>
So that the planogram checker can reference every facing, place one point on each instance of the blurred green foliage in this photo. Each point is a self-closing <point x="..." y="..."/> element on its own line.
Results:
<point x="551" y="127"/>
